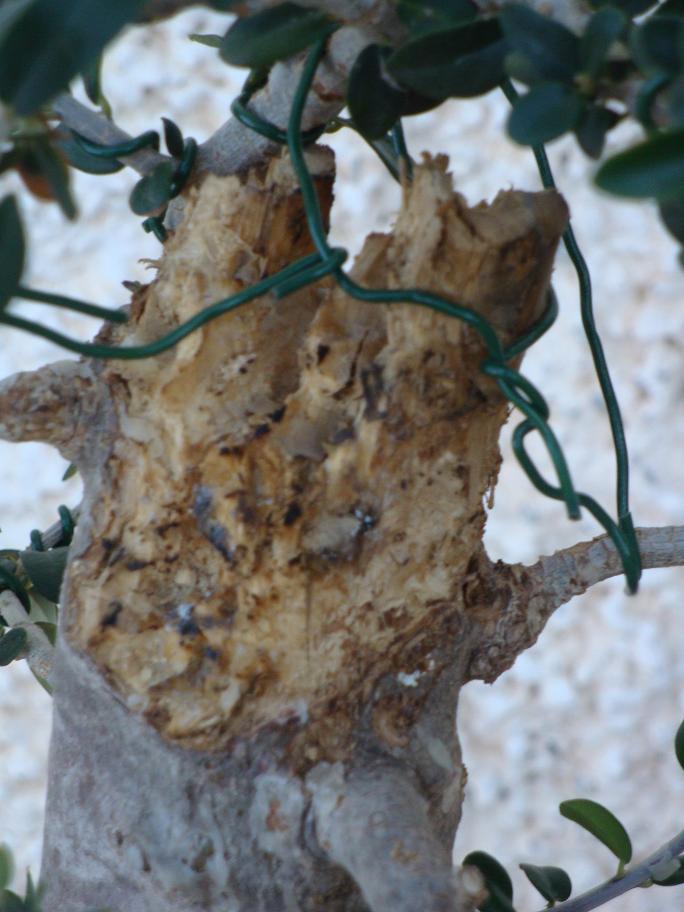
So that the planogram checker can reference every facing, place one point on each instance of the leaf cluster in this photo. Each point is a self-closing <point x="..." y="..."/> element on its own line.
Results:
<point x="552" y="882"/>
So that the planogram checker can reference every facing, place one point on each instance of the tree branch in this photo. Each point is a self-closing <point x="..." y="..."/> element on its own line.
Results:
<point x="97" y="128"/>
<point x="46" y="405"/>
<point x="40" y="650"/>
<point x="527" y="596"/>
<point x="374" y="824"/>
<point x="653" y="866"/>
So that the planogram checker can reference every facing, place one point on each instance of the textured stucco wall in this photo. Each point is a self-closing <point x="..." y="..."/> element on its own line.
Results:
<point x="591" y="710"/>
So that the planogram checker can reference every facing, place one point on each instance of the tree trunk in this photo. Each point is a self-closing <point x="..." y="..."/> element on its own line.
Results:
<point x="278" y="581"/>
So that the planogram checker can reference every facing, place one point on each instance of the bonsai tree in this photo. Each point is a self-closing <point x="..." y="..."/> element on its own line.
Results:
<point x="277" y="584"/>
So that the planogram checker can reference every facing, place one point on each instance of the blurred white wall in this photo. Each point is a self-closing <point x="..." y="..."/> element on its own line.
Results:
<point x="591" y="710"/>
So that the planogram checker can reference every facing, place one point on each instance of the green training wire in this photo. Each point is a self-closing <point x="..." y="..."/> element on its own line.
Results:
<point x="625" y="521"/>
<point x="328" y="261"/>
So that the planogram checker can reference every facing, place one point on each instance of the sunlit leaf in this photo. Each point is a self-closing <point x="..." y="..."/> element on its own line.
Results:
<point x="213" y="41"/>
<point x="601" y="823"/>
<point x="71" y="470"/>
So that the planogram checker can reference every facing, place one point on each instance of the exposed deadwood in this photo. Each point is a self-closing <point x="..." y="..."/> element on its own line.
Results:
<point x="49" y="405"/>
<point x="279" y="546"/>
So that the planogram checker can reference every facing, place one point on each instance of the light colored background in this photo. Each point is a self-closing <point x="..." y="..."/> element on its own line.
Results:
<point x="591" y="710"/>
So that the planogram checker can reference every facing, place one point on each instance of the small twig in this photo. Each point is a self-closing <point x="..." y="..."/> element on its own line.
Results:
<point x="53" y="534"/>
<point x="529" y="595"/>
<point x="97" y="128"/>
<point x="636" y="876"/>
<point x="571" y="571"/>
<point x="40" y="650"/>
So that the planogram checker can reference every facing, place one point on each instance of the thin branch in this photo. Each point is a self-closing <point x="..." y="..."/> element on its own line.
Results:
<point x="97" y="128"/>
<point x="573" y="570"/>
<point x="53" y="534"/>
<point x="634" y="877"/>
<point x="40" y="651"/>
<point x="528" y="596"/>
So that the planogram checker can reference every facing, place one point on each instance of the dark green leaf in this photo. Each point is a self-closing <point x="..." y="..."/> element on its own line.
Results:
<point x="32" y="898"/>
<point x="212" y="41"/>
<point x="461" y="62"/>
<point x="78" y="158"/>
<point x="518" y="67"/>
<point x="658" y="45"/>
<point x="11" y="249"/>
<point x="154" y="190"/>
<point x="551" y="48"/>
<point x="415" y="103"/>
<point x="554" y="884"/>
<point x="12" y="644"/>
<point x="601" y="823"/>
<point x="670" y="8"/>
<point x="10" y="902"/>
<point x="6" y="866"/>
<point x="592" y="129"/>
<point x="675" y="102"/>
<point x="274" y="34"/>
<point x="422" y="16"/>
<point x="679" y="737"/>
<point x="373" y="102"/>
<point x="674" y="879"/>
<point x="633" y="7"/>
<point x="92" y="81"/>
<point x="549" y="110"/>
<point x="52" y="41"/>
<point x="602" y="31"/>
<point x="497" y="881"/>
<point x="43" y="171"/>
<point x="10" y="10"/>
<point x="45" y="569"/>
<point x="173" y="138"/>
<point x="654" y="168"/>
